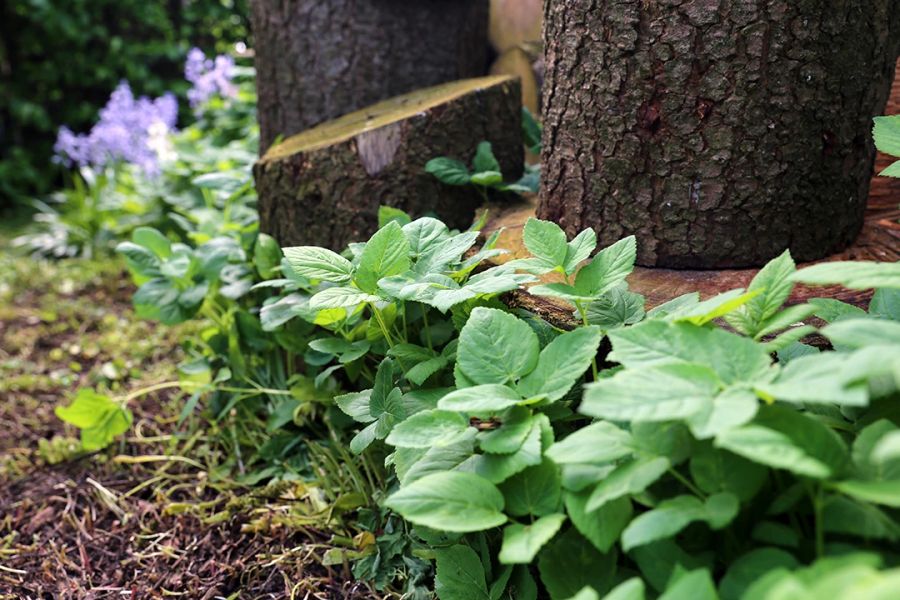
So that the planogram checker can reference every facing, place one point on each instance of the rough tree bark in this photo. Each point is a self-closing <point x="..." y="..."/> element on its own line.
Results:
<point x="320" y="59"/>
<point x="719" y="132"/>
<point x="323" y="187"/>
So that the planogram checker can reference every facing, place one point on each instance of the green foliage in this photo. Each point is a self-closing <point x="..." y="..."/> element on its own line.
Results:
<point x="61" y="61"/>
<point x="99" y="418"/>
<point x="484" y="173"/>
<point x="887" y="139"/>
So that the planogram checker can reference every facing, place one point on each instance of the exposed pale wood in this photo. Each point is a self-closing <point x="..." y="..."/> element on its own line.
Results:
<point x="514" y="22"/>
<point x="517" y="62"/>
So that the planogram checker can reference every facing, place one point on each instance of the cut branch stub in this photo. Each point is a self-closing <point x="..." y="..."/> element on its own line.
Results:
<point x="324" y="186"/>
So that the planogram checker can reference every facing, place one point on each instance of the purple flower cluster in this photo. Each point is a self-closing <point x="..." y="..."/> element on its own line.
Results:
<point x="209" y="76"/>
<point x="130" y="129"/>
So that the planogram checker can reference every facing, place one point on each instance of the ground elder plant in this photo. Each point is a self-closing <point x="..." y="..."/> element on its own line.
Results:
<point x="714" y="457"/>
<point x="708" y="452"/>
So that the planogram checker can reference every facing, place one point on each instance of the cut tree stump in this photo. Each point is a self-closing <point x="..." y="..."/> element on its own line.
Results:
<point x="323" y="187"/>
<point x="879" y="240"/>
<point x="719" y="133"/>
<point x="319" y="59"/>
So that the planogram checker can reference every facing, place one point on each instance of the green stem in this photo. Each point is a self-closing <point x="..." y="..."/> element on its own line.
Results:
<point x="594" y="370"/>
<point x="381" y="324"/>
<point x="818" y="505"/>
<point x="427" y="328"/>
<point x="687" y="483"/>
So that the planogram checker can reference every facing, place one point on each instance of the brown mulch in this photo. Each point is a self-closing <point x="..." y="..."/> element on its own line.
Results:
<point x="103" y="526"/>
<point x="64" y="534"/>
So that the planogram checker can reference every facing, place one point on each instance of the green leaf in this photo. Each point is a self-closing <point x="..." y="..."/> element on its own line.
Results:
<point x="459" y="574"/>
<point x="831" y="310"/>
<point x="570" y="562"/>
<point x="734" y="358"/>
<point x="428" y="428"/>
<point x="340" y="297"/>
<point x="630" y="589"/>
<point x="152" y="240"/>
<point x="782" y="320"/>
<point x="826" y="377"/>
<point x="772" y="448"/>
<point x="365" y="438"/>
<point x="484" y="347"/>
<point x="487" y="178"/>
<point x="386" y="253"/>
<point x="858" y="333"/>
<point x="844" y="515"/>
<point x="531" y="131"/>
<point x="608" y="269"/>
<point x="267" y="256"/>
<point x="414" y="463"/>
<point x="484" y="159"/>
<point x="857" y="275"/>
<point x="877" y="492"/>
<point x="885" y="304"/>
<point x="617" y="308"/>
<point x="774" y="286"/>
<point x="715" y="470"/>
<point x="671" y="516"/>
<point x="751" y="567"/>
<point x="356" y="405"/>
<point x="535" y="491"/>
<point x="480" y="399"/>
<point x="450" y="501"/>
<point x="602" y="526"/>
<point x="631" y="478"/>
<point x="99" y="418"/>
<point x="579" y="249"/>
<point x="500" y="467"/>
<point x="386" y="214"/>
<point x="732" y="408"/>
<point x="318" y="263"/>
<point x="521" y="543"/>
<point x="141" y="261"/>
<point x="886" y="132"/>
<point x="661" y="393"/>
<point x="715" y="307"/>
<point x="562" y="363"/>
<point x="448" y="170"/>
<point x="425" y="233"/>
<point x="516" y="423"/>
<point x="546" y="241"/>
<point x="597" y="443"/>
<point x="696" y="585"/>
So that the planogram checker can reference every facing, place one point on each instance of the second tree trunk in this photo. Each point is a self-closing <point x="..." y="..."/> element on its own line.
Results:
<point x="320" y="59"/>
<point x="719" y="132"/>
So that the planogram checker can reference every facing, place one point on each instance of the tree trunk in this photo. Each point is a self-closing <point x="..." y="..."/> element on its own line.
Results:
<point x="719" y="132"/>
<point x="323" y="187"/>
<point x="320" y="59"/>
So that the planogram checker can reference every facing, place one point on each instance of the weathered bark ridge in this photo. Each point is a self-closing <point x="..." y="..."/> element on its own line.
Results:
<point x="719" y="132"/>
<point x="320" y="59"/>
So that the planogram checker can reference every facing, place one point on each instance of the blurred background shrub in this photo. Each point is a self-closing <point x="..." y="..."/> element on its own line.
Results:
<point x="61" y="59"/>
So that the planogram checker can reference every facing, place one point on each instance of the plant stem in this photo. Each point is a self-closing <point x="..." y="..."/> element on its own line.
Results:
<point x="381" y="324"/>
<point x="816" y="499"/>
<point x="594" y="370"/>
<point x="687" y="483"/>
